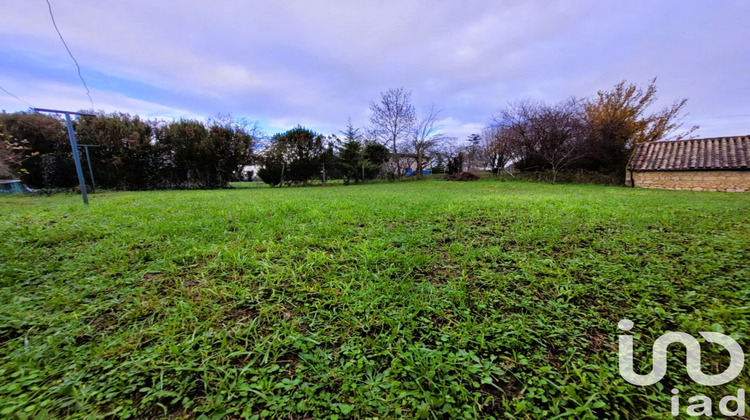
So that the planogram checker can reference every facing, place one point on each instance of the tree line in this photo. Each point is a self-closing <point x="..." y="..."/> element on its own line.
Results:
<point x="299" y="155"/>
<point x="129" y="153"/>
<point x="397" y="142"/>
<point x="595" y="134"/>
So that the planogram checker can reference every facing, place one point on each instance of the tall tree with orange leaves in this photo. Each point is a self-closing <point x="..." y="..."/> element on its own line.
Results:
<point x="620" y="118"/>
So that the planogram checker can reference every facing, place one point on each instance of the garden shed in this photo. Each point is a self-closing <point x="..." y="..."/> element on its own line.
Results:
<point x="710" y="164"/>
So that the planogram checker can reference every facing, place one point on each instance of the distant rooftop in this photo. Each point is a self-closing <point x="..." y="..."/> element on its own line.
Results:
<point x="719" y="153"/>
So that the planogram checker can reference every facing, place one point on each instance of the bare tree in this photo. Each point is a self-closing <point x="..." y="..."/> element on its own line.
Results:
<point x="560" y="130"/>
<point x="443" y="152"/>
<point x="392" y="120"/>
<point x="450" y="154"/>
<point x="425" y="139"/>
<point x="543" y="136"/>
<point x="495" y="149"/>
<point x="512" y="126"/>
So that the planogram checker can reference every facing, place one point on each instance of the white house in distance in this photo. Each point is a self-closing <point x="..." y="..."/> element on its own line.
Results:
<point x="250" y="173"/>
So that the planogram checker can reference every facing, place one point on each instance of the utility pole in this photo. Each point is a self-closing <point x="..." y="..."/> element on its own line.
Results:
<point x="73" y="145"/>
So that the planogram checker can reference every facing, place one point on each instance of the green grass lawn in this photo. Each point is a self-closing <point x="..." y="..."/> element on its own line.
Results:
<point x="418" y="299"/>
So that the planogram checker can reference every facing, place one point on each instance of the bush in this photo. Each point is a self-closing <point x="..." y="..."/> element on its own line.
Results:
<point x="455" y="164"/>
<point x="462" y="176"/>
<point x="574" y="177"/>
<point x="270" y="172"/>
<point x="438" y="169"/>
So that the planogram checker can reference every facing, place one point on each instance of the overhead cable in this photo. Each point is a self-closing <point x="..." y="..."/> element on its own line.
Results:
<point x="88" y="92"/>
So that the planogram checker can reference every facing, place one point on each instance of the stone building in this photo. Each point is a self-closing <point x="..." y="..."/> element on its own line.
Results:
<point x="714" y="164"/>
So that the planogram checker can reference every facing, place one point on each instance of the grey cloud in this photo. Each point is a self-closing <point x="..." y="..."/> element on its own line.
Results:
<point x="316" y="63"/>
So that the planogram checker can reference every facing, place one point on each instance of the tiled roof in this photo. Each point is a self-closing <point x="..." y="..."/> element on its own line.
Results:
<point x="695" y="154"/>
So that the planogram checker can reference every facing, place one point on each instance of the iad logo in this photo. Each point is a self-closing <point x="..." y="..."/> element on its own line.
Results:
<point x="693" y="362"/>
<point x="693" y="367"/>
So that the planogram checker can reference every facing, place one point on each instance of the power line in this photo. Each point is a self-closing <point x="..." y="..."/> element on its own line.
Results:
<point x="88" y="93"/>
<point x="3" y="89"/>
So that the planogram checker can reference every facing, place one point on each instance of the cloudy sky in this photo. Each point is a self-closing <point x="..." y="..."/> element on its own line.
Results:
<point x="317" y="63"/>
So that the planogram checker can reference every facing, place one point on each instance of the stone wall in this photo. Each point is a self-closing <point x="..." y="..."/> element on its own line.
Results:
<point x="732" y="181"/>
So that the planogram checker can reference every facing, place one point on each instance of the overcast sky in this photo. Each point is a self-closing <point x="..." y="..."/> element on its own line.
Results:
<point x="316" y="63"/>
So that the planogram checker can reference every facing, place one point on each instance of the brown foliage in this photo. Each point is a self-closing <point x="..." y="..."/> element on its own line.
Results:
<point x="619" y="118"/>
<point x="11" y="154"/>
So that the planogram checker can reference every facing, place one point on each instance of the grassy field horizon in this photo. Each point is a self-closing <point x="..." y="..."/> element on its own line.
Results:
<point x="431" y="299"/>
